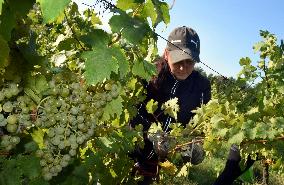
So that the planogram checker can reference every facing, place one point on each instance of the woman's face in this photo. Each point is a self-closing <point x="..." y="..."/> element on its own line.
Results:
<point x="181" y="70"/>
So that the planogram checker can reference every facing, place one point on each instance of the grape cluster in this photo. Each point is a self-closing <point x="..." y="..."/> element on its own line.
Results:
<point x="69" y="113"/>
<point x="52" y="165"/>
<point x="14" y="114"/>
<point x="9" y="142"/>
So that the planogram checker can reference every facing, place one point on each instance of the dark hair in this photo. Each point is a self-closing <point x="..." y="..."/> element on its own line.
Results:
<point x="162" y="69"/>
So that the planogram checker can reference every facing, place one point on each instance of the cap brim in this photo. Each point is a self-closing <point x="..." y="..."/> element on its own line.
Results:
<point x="179" y="55"/>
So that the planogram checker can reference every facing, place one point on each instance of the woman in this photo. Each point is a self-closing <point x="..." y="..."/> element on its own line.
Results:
<point x="176" y="79"/>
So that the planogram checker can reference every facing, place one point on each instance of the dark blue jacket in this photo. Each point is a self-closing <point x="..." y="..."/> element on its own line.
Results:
<point x="191" y="93"/>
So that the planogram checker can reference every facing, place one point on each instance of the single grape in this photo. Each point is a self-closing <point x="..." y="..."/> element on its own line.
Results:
<point x="74" y="145"/>
<point x="12" y="128"/>
<point x="83" y="107"/>
<point x="91" y="132"/>
<point x="88" y="98"/>
<point x="75" y="86"/>
<point x="58" y="168"/>
<point x="80" y="119"/>
<point x="64" y="163"/>
<point x="109" y="97"/>
<point x="15" y="140"/>
<point x="72" y="152"/>
<point x="9" y="147"/>
<point x="5" y="140"/>
<point x="25" y="110"/>
<point x="52" y="170"/>
<point x="66" y="157"/>
<point x="47" y="176"/>
<point x="43" y="162"/>
<point x="51" y="132"/>
<point x="81" y="126"/>
<point x="74" y="110"/>
<point x="2" y="117"/>
<point x="14" y="89"/>
<point x="80" y="140"/>
<point x="114" y="94"/>
<point x="55" y="140"/>
<point x="39" y="153"/>
<point x="108" y="86"/>
<point x="114" y="87"/>
<point x="59" y="130"/>
<point x="61" y="145"/>
<point x="8" y="106"/>
<point x="12" y="119"/>
<point x="65" y="92"/>
<point x="45" y="169"/>
<point x="3" y="123"/>
<point x="8" y="94"/>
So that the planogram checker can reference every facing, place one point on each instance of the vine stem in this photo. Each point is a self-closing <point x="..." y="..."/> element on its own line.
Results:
<point x="261" y="141"/>
<point x="201" y="141"/>
<point x="73" y="32"/>
<point x="39" y="105"/>
<point x="4" y="153"/>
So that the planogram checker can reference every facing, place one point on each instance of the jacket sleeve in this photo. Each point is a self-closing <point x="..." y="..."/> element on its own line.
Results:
<point x="231" y="172"/>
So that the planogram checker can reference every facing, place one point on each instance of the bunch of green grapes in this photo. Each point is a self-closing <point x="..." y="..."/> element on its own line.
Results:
<point x="69" y="113"/>
<point x="14" y="114"/>
<point x="52" y="164"/>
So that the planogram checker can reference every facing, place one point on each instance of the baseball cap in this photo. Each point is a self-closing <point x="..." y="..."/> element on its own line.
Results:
<point x="188" y="44"/>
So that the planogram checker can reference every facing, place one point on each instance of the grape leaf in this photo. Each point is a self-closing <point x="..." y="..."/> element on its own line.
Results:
<point x="183" y="172"/>
<point x="30" y="165"/>
<point x="105" y="141"/>
<point x="133" y="29"/>
<point x="122" y="63"/>
<point x="149" y="11"/>
<point x="151" y="106"/>
<point x="20" y="7"/>
<point x="38" y="181"/>
<point x="37" y="136"/>
<point x="245" y="61"/>
<point x="222" y="132"/>
<point x="4" y="52"/>
<point x="155" y="128"/>
<point x="217" y="121"/>
<point x="96" y="38"/>
<point x="164" y="12"/>
<point x="113" y="108"/>
<point x="11" y="175"/>
<point x="41" y="84"/>
<point x="171" y="107"/>
<point x="100" y="63"/>
<point x="237" y="138"/>
<point x="162" y="9"/>
<point x="51" y="9"/>
<point x="7" y="21"/>
<point x="128" y="4"/>
<point x="144" y="69"/>
<point x="248" y="176"/>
